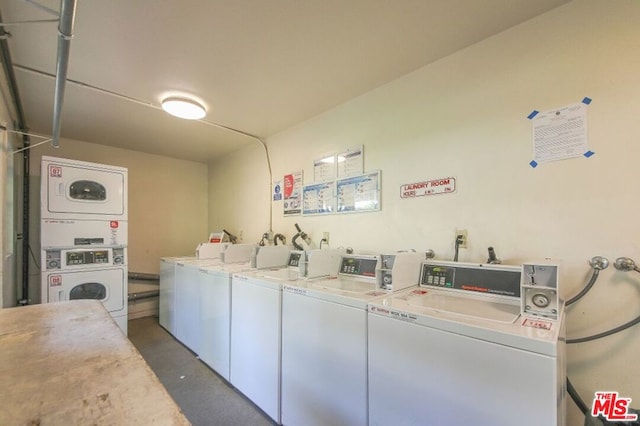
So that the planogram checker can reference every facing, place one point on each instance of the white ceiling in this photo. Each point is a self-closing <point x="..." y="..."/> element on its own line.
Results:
<point x="259" y="66"/>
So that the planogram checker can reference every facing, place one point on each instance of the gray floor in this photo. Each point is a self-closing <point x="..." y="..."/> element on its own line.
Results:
<point x="204" y="397"/>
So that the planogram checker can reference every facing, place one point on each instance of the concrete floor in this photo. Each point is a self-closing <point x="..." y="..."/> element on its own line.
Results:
<point x="204" y="397"/>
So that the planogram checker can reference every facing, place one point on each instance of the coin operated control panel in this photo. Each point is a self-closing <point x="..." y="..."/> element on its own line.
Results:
<point x="55" y="259"/>
<point x="539" y="290"/>
<point x="313" y="263"/>
<point x="400" y="270"/>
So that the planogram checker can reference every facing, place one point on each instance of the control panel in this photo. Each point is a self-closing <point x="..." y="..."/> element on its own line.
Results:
<point x="501" y="280"/>
<point x="540" y="296"/>
<point x="359" y="266"/>
<point x="439" y="276"/>
<point x="83" y="258"/>
<point x="294" y="259"/>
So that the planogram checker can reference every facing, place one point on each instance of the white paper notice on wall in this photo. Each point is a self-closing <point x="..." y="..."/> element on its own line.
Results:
<point x="324" y="169"/>
<point x="319" y="198"/>
<point x="560" y="134"/>
<point x="358" y="193"/>
<point x="293" y="194"/>
<point x="350" y="162"/>
<point x="277" y="190"/>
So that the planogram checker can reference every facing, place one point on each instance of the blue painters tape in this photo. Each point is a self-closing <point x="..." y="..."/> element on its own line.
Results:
<point x="533" y="163"/>
<point x="533" y="114"/>
<point x="588" y="154"/>
<point x="586" y="101"/>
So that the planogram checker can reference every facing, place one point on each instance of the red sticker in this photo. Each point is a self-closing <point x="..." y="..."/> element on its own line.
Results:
<point x="55" y="171"/>
<point x="55" y="280"/>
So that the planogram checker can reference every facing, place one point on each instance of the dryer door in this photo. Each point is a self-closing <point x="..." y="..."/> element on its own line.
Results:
<point x="106" y="285"/>
<point x="81" y="189"/>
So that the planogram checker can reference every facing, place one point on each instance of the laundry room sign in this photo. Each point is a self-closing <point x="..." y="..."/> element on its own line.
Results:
<point x="430" y="187"/>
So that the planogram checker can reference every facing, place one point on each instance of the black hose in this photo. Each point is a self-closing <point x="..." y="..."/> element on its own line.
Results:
<point x="232" y="238"/>
<point x="280" y="237"/>
<point x="295" y="244"/>
<point x="606" y="333"/>
<point x="300" y="234"/>
<point x="573" y="393"/>
<point x="457" y="247"/>
<point x="586" y="288"/>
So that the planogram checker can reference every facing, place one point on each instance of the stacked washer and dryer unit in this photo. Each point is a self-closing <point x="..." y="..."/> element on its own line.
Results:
<point x="83" y="234"/>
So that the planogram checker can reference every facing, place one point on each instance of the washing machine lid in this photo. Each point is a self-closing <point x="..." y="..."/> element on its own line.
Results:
<point x="473" y="306"/>
<point x="274" y="274"/>
<point x="475" y="316"/>
<point x="226" y="268"/>
<point x="345" y="291"/>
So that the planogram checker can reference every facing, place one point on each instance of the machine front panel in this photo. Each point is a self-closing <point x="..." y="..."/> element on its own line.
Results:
<point x="83" y="190"/>
<point x="106" y="285"/>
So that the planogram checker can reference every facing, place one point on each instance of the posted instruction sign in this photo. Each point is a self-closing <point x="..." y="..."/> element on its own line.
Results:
<point x="430" y="187"/>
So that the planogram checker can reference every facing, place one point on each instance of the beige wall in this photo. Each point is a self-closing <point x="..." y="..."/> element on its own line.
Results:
<point x="167" y="201"/>
<point x="239" y="194"/>
<point x="466" y="116"/>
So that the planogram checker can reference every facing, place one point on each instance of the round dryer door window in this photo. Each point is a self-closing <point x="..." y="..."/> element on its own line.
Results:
<point x="88" y="291"/>
<point x="87" y="190"/>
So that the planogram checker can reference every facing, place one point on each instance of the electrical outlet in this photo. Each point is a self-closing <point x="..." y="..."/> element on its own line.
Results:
<point x="240" y="235"/>
<point x="463" y="233"/>
<point x="325" y="237"/>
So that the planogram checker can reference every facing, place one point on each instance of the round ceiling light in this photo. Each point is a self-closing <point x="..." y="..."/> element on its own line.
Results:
<point x="184" y="108"/>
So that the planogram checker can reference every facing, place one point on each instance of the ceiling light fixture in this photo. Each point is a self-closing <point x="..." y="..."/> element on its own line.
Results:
<point x="184" y="108"/>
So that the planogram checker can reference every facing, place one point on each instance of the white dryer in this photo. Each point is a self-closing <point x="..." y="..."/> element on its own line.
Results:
<point x="256" y="323"/>
<point x="87" y="273"/>
<point x="324" y="339"/>
<point x="456" y="351"/>
<point x="82" y="203"/>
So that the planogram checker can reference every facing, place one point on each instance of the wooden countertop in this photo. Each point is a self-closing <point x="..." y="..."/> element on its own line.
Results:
<point x="68" y="363"/>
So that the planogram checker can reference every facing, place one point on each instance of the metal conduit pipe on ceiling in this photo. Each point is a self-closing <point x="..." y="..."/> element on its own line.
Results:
<point x="65" y="32"/>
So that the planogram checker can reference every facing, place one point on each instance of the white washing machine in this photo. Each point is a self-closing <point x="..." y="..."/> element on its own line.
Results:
<point x="324" y="340"/>
<point x="188" y="292"/>
<point x="256" y="324"/>
<point x="456" y="351"/>
<point x="167" y="303"/>
<point x="87" y="273"/>
<point x="215" y="302"/>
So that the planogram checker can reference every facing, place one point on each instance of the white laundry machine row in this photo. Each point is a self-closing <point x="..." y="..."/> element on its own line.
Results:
<point x="87" y="273"/>
<point x="456" y="350"/>
<point x="215" y="304"/>
<point x="167" y="303"/>
<point x="256" y="324"/>
<point x="324" y="339"/>
<point x="188" y="324"/>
